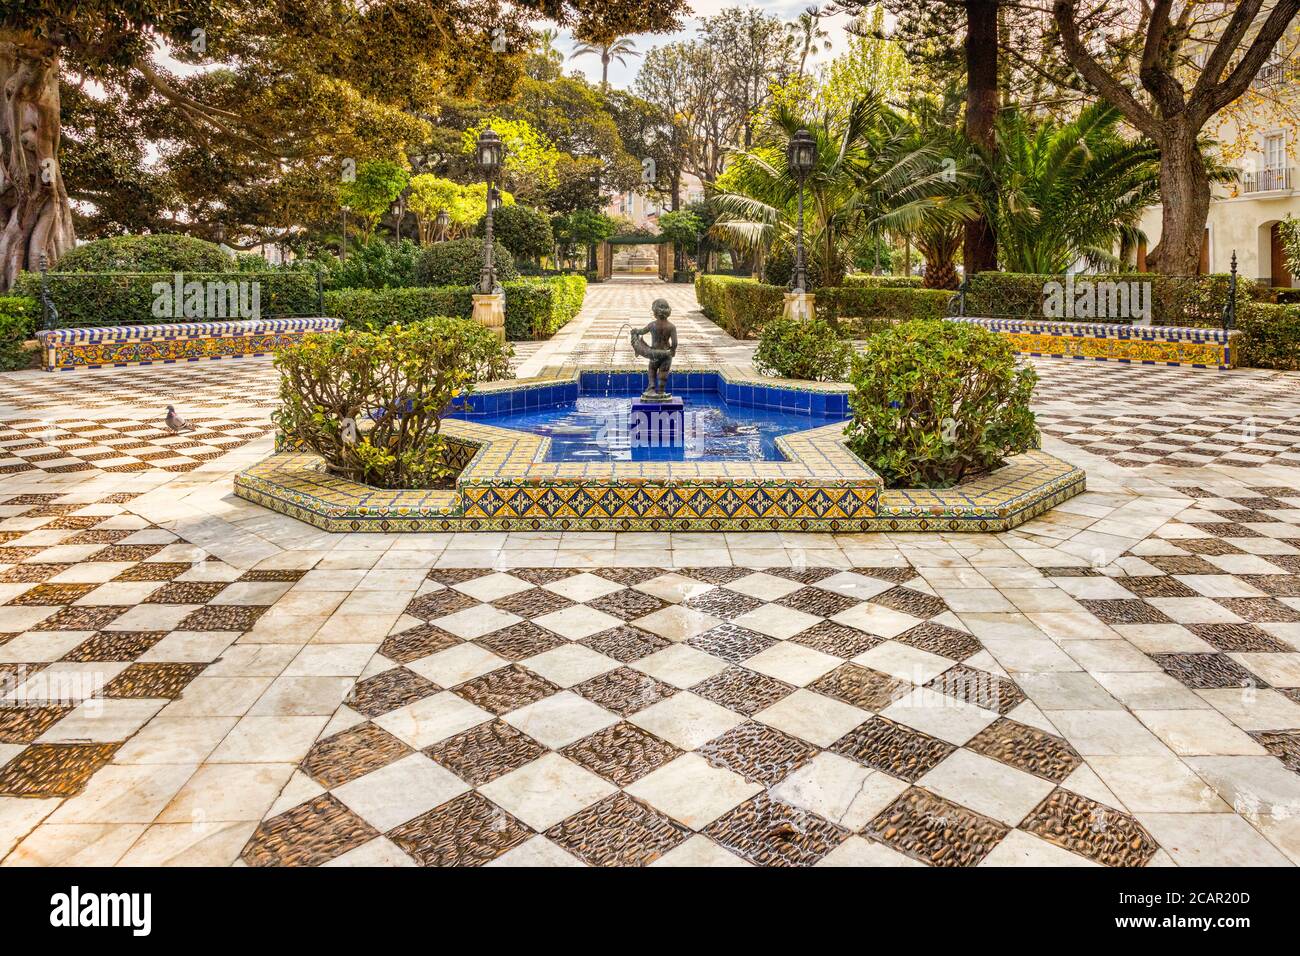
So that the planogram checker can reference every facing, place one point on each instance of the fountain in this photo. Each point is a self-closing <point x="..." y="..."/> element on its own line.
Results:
<point x="658" y="418"/>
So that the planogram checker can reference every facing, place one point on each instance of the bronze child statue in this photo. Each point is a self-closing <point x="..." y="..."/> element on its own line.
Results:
<point x="660" y="351"/>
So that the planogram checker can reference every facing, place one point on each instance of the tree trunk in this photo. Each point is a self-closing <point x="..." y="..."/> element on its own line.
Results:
<point x="1184" y="204"/>
<point x="979" y="248"/>
<point x="34" y="209"/>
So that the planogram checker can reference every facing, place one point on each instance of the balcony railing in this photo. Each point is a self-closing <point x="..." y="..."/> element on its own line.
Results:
<point x="1271" y="73"/>
<point x="1268" y="179"/>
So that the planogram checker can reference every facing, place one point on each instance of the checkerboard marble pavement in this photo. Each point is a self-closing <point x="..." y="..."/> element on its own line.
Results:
<point x="1112" y="682"/>
<point x="712" y="716"/>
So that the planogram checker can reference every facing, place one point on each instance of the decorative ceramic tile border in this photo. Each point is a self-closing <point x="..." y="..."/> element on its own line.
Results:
<point x="1140" y="344"/>
<point x="508" y="484"/>
<point x="168" y="343"/>
<point x="295" y="484"/>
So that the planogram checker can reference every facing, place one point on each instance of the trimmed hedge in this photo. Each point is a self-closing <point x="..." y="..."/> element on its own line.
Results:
<point x="17" y="325"/>
<point x="165" y="253"/>
<point x="535" y="308"/>
<point x="377" y="308"/>
<point x="840" y="306"/>
<point x="1270" y="336"/>
<point x="883" y="282"/>
<point x="742" y="306"/>
<point x="93" y="299"/>
<point x="1195" y="301"/>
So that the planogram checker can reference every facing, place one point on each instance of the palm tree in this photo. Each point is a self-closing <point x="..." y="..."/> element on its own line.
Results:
<point x="808" y="34"/>
<point x="618" y="48"/>
<point x="870" y="178"/>
<point x="544" y="59"/>
<point x="936" y="122"/>
<point x="1069" y="192"/>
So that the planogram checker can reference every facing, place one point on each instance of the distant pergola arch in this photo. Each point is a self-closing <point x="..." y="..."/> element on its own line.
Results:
<point x="605" y="252"/>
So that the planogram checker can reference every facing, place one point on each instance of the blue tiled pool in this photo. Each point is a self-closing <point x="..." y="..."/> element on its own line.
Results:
<point x="587" y="421"/>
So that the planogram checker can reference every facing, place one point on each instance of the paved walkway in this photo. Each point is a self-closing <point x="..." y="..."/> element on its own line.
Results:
<point x="187" y="678"/>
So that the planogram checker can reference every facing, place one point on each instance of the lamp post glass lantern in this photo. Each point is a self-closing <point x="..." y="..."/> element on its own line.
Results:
<point x="490" y="153"/>
<point x="801" y="156"/>
<point x="442" y="221"/>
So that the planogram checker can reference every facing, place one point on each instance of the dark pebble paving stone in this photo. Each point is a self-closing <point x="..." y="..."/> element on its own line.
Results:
<point x="1091" y="829"/>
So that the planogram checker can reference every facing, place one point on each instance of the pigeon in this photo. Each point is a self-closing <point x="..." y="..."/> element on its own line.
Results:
<point x="175" y="423"/>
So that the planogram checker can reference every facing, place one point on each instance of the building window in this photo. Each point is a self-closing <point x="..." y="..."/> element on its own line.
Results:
<point x="1274" y="173"/>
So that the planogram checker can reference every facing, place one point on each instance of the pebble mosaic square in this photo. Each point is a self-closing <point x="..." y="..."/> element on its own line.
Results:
<point x="618" y="748"/>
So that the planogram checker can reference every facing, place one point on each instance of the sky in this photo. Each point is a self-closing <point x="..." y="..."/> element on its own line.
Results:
<point x="621" y="76"/>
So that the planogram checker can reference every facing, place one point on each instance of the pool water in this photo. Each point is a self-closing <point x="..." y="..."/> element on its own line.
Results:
<point x="594" y="428"/>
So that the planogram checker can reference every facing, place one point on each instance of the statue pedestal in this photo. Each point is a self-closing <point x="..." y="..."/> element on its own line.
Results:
<point x="657" y="424"/>
<point x="800" y="306"/>
<point x="490" y="312"/>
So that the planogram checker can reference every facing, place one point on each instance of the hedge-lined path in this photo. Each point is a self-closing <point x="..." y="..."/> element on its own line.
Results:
<point x="598" y="335"/>
<point x="188" y="678"/>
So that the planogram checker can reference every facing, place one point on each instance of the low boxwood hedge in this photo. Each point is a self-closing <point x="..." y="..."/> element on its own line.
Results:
<point x="742" y="306"/>
<point x="95" y="299"/>
<point x="535" y="308"/>
<point x="840" y="306"/>
<point x="1193" y="301"/>
<point x="883" y="282"/>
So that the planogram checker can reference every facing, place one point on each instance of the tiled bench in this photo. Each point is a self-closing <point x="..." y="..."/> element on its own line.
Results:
<point x="1138" y="344"/>
<point x="85" y="348"/>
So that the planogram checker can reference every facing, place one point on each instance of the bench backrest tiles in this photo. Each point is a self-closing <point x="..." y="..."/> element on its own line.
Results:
<point x="1099" y="341"/>
<point x="166" y="343"/>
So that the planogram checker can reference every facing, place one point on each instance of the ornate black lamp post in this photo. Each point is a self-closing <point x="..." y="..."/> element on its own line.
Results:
<point x="345" y="232"/>
<point x="801" y="156"/>
<point x="491" y="154"/>
<point x="442" y="221"/>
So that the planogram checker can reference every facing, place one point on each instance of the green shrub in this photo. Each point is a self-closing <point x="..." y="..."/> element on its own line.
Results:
<point x="788" y="348"/>
<point x="371" y="403"/>
<point x="17" y="325"/>
<point x="110" y="299"/>
<point x="377" y="264"/>
<point x="146" y="254"/>
<point x="459" y="262"/>
<point x="535" y="308"/>
<point x="935" y="402"/>
<point x="1270" y="336"/>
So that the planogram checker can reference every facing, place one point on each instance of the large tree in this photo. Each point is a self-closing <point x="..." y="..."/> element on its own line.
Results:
<point x="754" y="51"/>
<point x="1216" y="50"/>
<point x="681" y="80"/>
<point x="297" y="84"/>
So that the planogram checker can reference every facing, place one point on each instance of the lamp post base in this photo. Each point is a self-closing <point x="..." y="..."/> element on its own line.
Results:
<point x="490" y="312"/>
<point x="800" y="306"/>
